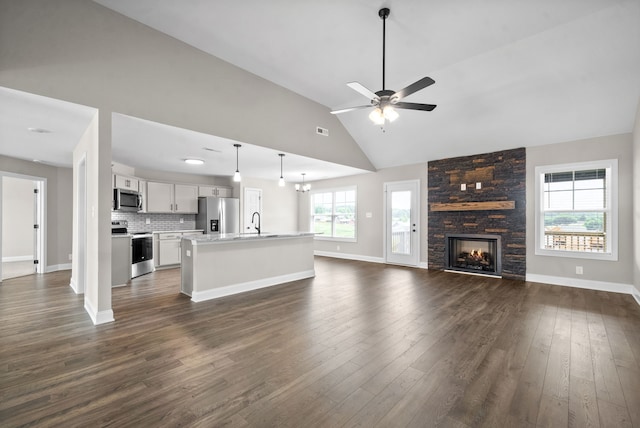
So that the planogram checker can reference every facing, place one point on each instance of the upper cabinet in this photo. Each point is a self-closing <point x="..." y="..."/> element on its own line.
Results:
<point x="217" y="191"/>
<point x="172" y="198"/>
<point x="185" y="198"/>
<point x="124" y="182"/>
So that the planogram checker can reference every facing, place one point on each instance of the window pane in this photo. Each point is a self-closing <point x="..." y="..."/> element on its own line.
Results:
<point x="589" y="199"/>
<point x="322" y="224"/>
<point x="563" y="185"/>
<point x="575" y="231"/>
<point x="345" y="226"/>
<point x="589" y="184"/>
<point x="559" y="200"/>
<point x="334" y="213"/>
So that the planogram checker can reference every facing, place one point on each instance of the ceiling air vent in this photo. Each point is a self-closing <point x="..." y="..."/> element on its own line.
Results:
<point x="322" y="131"/>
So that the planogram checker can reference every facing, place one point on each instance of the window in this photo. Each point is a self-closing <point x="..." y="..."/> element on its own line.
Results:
<point x="333" y="214"/>
<point x="577" y="210"/>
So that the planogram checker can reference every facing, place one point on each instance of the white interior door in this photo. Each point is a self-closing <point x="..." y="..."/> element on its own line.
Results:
<point x="252" y="203"/>
<point x="402" y="223"/>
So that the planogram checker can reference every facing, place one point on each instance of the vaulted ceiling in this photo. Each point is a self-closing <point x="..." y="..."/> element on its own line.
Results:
<point x="509" y="73"/>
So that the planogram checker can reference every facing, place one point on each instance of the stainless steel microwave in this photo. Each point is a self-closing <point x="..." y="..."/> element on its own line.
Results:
<point x="127" y="200"/>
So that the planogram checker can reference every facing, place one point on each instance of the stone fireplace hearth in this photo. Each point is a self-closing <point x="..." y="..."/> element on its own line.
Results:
<point x="479" y="195"/>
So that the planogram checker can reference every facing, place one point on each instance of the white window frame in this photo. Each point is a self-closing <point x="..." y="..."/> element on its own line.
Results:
<point x="611" y="166"/>
<point x="333" y="215"/>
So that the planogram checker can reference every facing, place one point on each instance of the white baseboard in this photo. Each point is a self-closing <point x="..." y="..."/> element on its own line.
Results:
<point x="55" y="268"/>
<point x="349" y="256"/>
<point x="74" y="285"/>
<point x="421" y="265"/>
<point x="100" y="317"/>
<point x="200" y="296"/>
<point x="17" y="259"/>
<point x="612" y="287"/>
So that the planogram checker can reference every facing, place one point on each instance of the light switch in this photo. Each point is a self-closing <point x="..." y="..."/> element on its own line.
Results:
<point x="478" y="185"/>
<point x="463" y="187"/>
<point x="148" y="221"/>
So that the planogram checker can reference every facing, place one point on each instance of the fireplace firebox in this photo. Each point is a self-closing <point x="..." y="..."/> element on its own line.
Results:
<point x="480" y="254"/>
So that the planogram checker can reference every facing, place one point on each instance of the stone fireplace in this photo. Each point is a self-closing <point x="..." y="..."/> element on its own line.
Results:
<point x="473" y="253"/>
<point x="481" y="195"/>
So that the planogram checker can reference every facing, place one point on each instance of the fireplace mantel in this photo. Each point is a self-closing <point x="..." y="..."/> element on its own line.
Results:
<point x="474" y="206"/>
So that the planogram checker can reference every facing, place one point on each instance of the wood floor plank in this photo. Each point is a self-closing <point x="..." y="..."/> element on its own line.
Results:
<point x="360" y="344"/>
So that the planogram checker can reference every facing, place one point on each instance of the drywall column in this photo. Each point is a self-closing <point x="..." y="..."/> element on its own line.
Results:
<point x="636" y="205"/>
<point x="91" y="267"/>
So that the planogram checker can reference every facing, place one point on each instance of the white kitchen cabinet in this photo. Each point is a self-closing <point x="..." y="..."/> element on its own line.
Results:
<point x="169" y="248"/>
<point x="172" y="198"/>
<point x="124" y="182"/>
<point x="185" y="198"/>
<point x="217" y="191"/>
<point x="159" y="197"/>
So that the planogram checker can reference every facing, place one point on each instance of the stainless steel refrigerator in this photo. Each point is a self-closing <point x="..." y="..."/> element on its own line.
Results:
<point x="218" y="215"/>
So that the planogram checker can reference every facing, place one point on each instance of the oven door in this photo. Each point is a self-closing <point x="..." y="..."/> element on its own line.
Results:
<point x="141" y="255"/>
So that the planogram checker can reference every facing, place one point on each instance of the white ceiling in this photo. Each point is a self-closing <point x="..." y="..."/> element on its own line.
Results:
<point x="509" y="73"/>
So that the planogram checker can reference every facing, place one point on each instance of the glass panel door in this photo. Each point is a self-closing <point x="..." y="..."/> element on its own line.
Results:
<point x="402" y="226"/>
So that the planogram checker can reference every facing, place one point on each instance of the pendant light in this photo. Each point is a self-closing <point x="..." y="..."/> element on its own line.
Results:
<point x="304" y="187"/>
<point x="236" y="176"/>
<point x="281" y="181"/>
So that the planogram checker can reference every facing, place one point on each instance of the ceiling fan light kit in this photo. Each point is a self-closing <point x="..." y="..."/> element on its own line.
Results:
<point x="386" y="101"/>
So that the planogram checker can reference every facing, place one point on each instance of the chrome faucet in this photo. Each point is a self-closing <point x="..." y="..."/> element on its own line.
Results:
<point x="252" y="217"/>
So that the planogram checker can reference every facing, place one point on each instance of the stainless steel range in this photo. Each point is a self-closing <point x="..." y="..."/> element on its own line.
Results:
<point x="141" y="248"/>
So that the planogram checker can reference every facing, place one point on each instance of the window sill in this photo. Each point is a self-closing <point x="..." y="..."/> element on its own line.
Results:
<point x="577" y="254"/>
<point x="332" y="238"/>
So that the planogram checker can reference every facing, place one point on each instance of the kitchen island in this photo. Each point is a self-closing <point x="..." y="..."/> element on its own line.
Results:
<point x="220" y="265"/>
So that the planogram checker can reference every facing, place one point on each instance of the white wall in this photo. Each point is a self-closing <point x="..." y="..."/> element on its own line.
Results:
<point x="610" y="147"/>
<point x="17" y="218"/>
<point x="370" y="193"/>
<point x="279" y="205"/>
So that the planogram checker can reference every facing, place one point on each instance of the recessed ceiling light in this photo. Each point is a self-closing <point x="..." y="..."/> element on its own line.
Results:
<point x="194" y="161"/>
<point x="39" y="130"/>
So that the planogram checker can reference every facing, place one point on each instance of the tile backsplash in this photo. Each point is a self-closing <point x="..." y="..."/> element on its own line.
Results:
<point x="158" y="222"/>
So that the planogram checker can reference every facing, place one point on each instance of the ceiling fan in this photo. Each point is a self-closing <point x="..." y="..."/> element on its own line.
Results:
<point x="385" y="101"/>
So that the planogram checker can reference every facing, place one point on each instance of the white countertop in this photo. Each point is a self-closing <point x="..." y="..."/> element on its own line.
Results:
<point x="242" y="237"/>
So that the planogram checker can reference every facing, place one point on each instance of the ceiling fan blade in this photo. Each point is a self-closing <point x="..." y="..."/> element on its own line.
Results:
<point x="414" y="87"/>
<point x="364" y="91"/>
<point x="415" y="106"/>
<point x="344" y="110"/>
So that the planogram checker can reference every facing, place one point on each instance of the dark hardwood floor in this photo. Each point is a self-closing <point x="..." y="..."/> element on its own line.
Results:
<point x="360" y="344"/>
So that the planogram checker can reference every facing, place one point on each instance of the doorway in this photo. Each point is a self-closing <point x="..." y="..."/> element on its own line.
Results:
<point x="402" y="222"/>
<point x="22" y="200"/>
<point x="252" y="204"/>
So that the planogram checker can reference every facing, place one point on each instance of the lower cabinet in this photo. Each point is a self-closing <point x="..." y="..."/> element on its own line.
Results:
<point x="120" y="260"/>
<point x="167" y="248"/>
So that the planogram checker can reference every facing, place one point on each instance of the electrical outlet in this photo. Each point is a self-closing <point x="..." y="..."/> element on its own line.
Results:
<point x="181" y="220"/>
<point x="579" y="270"/>
<point x="463" y="187"/>
<point x="148" y="221"/>
<point x="478" y="185"/>
<point x="369" y="215"/>
<point x="70" y="257"/>
<point x="188" y="253"/>
<point x="338" y="248"/>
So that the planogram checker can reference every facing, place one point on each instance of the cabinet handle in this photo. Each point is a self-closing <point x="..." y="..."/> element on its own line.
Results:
<point x="176" y="207"/>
